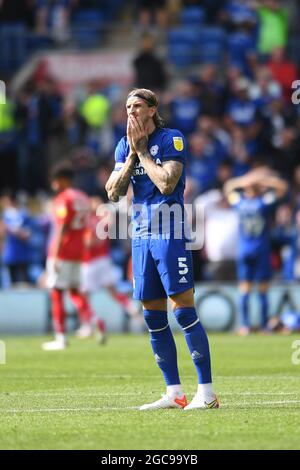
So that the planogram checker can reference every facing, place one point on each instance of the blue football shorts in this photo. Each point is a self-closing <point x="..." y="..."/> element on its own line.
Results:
<point x="161" y="267"/>
<point x="254" y="267"/>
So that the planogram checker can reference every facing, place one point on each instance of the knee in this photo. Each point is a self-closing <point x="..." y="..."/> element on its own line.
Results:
<point x="156" y="320"/>
<point x="263" y="288"/>
<point x="186" y="317"/>
<point x="245" y="287"/>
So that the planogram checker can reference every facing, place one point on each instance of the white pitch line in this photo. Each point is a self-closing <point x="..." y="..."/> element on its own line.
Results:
<point x="109" y="394"/>
<point x="59" y="410"/>
<point x="127" y="376"/>
<point x="107" y="408"/>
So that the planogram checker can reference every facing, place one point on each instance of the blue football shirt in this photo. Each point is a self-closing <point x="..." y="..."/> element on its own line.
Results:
<point x="253" y="228"/>
<point x="148" y="215"/>
<point x="15" y="250"/>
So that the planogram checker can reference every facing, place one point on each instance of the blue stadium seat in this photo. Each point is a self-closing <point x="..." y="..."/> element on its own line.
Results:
<point x="87" y="27"/>
<point x="181" y="55"/>
<point x="13" y="47"/>
<point x="212" y="44"/>
<point x="111" y="8"/>
<point x="214" y="34"/>
<point x="191" y="16"/>
<point x="189" y="36"/>
<point x="36" y="43"/>
<point x="88" y="16"/>
<point x="183" y="46"/>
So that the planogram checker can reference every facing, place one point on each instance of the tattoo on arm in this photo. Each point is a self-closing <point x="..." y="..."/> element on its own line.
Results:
<point x="165" y="177"/>
<point x="118" y="182"/>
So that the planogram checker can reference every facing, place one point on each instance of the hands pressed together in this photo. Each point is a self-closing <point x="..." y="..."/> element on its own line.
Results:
<point x="136" y="135"/>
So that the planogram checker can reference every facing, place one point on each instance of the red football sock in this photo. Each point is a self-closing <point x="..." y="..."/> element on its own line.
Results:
<point x="58" y="311"/>
<point x="85" y="311"/>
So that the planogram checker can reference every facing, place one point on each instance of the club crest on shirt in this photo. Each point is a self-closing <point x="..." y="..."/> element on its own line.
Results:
<point x="178" y="143"/>
<point x="154" y="150"/>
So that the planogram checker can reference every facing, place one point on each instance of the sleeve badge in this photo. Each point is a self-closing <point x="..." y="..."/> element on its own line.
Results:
<point x="178" y="143"/>
<point x="61" y="212"/>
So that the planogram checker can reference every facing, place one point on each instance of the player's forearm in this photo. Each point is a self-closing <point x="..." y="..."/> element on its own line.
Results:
<point x="234" y="183"/>
<point x="279" y="185"/>
<point x="158" y="175"/>
<point x="118" y="183"/>
<point x="58" y="241"/>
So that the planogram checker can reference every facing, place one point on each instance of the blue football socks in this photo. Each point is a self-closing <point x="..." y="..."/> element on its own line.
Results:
<point x="264" y="306"/>
<point x="163" y="344"/>
<point x="244" y="308"/>
<point x="197" y="342"/>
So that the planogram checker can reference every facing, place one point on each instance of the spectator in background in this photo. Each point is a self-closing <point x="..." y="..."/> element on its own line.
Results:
<point x="213" y="8"/>
<point x="241" y="151"/>
<point x="242" y="111"/>
<point x="16" y="11"/>
<point x="210" y="90"/>
<point x="237" y="13"/>
<point x="283" y="71"/>
<point x="264" y="89"/>
<point x="273" y="26"/>
<point x="118" y="122"/>
<point x="152" y="12"/>
<point x="37" y="115"/>
<point x="148" y="68"/>
<point x="53" y="17"/>
<point x="184" y="107"/>
<point x="221" y="233"/>
<point x="295" y="188"/>
<point x="71" y="133"/>
<point x="95" y="110"/>
<point x="8" y="151"/>
<point x="40" y="226"/>
<point x="297" y="247"/>
<point x="202" y="161"/>
<point x="16" y="253"/>
<point x="210" y="125"/>
<point x="281" y="137"/>
<point x="284" y="241"/>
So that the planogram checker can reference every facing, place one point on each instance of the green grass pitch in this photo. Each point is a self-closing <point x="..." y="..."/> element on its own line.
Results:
<point x="86" y="397"/>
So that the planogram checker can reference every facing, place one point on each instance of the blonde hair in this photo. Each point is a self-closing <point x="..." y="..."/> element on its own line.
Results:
<point x="152" y="101"/>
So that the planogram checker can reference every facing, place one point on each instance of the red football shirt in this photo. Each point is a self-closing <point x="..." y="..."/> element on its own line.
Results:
<point x="97" y="247"/>
<point x="71" y="207"/>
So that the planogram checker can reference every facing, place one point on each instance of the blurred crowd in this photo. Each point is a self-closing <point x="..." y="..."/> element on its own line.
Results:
<point x="235" y="114"/>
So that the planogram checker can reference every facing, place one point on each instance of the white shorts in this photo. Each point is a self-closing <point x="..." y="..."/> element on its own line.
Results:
<point x="98" y="273"/>
<point x="68" y="275"/>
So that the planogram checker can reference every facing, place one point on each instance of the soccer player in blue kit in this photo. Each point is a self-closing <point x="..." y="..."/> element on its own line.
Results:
<point x="254" y="196"/>
<point x="153" y="158"/>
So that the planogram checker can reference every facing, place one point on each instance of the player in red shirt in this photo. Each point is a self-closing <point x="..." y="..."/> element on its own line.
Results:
<point x="98" y="270"/>
<point x="71" y="209"/>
